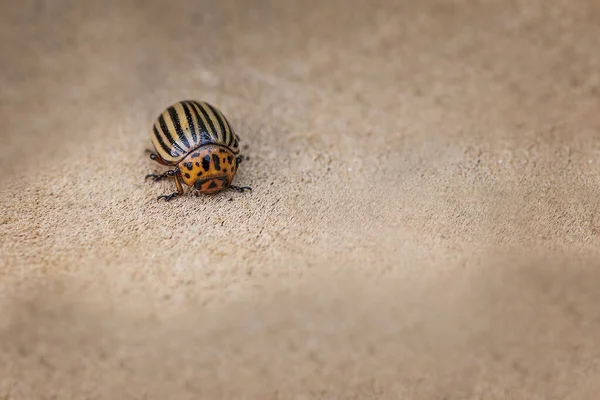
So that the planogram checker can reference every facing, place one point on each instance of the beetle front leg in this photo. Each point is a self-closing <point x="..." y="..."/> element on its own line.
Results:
<point x="179" y="191"/>
<point x="156" y="157"/>
<point x="240" y="189"/>
<point x="167" y="174"/>
<point x="169" y="197"/>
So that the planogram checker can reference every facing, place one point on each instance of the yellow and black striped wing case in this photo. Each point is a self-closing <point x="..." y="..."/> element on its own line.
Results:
<point x="189" y="124"/>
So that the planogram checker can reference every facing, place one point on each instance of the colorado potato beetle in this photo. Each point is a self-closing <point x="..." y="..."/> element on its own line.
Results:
<point x="196" y="138"/>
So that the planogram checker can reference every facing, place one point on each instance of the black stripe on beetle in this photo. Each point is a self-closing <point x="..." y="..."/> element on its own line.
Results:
<point x="168" y="134"/>
<point x="205" y="135"/>
<point x="177" y="125"/>
<point x="162" y="142"/>
<point x="190" y="121"/>
<point x="225" y="138"/>
<point x="209" y="121"/>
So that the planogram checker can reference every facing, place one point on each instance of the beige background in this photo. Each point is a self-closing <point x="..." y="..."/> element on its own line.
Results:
<point x="424" y="222"/>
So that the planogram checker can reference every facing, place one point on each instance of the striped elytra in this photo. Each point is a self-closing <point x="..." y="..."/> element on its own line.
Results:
<point x="196" y="138"/>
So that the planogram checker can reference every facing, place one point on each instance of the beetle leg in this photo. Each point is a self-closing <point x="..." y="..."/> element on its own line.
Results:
<point x="178" y="183"/>
<point x="240" y="189"/>
<point x="169" y="197"/>
<point x="179" y="191"/>
<point x="156" y="157"/>
<point x="159" y="177"/>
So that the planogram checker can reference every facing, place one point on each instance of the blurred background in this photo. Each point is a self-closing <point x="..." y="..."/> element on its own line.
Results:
<point x="424" y="220"/>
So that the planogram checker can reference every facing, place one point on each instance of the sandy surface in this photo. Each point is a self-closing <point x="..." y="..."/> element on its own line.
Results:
<point x="424" y="222"/>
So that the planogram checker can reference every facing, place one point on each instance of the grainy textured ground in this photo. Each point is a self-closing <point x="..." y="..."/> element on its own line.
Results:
<point x="425" y="215"/>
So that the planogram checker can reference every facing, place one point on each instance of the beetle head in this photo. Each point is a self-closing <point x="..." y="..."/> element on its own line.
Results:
<point x="209" y="169"/>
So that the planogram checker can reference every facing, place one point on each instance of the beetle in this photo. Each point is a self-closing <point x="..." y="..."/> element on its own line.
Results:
<point x="196" y="138"/>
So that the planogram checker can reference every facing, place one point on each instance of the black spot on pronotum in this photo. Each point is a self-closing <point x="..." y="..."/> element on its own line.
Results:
<point x="229" y="159"/>
<point x="187" y="175"/>
<point x="189" y="165"/>
<point x="200" y="173"/>
<point x="206" y="162"/>
<point x="222" y="151"/>
<point x="224" y="169"/>
<point x="212" y="185"/>
<point x="197" y="164"/>
<point x="195" y="155"/>
<point x="217" y="162"/>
